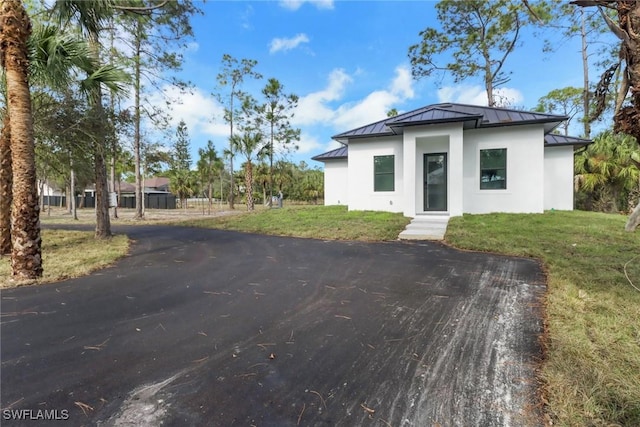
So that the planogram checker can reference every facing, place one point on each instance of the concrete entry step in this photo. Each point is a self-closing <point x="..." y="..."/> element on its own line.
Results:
<point x="427" y="227"/>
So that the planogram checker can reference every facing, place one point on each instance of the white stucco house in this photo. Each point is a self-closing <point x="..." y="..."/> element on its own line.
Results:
<point x="451" y="159"/>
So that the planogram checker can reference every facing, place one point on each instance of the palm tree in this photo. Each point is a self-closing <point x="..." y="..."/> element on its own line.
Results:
<point x="52" y="56"/>
<point x="6" y="181"/>
<point x="248" y="144"/>
<point x="208" y="165"/>
<point x="607" y="171"/>
<point x="91" y="16"/>
<point x="15" y="29"/>
<point x="182" y="184"/>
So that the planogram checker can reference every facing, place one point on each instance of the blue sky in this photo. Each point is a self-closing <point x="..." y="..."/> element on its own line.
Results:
<point x="348" y="63"/>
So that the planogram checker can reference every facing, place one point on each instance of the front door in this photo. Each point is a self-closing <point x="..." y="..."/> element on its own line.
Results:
<point x="435" y="182"/>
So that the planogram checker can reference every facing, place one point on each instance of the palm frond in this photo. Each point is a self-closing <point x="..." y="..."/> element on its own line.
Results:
<point x="54" y="55"/>
<point x="110" y="76"/>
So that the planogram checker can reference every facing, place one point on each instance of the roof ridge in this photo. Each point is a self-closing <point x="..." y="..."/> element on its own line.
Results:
<point x="501" y="108"/>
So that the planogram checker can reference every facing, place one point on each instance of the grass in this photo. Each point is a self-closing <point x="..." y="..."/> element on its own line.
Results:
<point x="591" y="374"/>
<point x="320" y="222"/>
<point x="69" y="254"/>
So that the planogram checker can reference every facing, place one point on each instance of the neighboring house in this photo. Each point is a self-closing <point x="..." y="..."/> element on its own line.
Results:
<point x="156" y="192"/>
<point x="452" y="159"/>
<point x="158" y="185"/>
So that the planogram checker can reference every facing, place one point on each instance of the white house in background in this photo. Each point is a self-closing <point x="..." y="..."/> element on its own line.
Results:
<point x="452" y="159"/>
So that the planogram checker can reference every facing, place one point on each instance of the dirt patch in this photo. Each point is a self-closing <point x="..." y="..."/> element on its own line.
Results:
<point x="127" y="216"/>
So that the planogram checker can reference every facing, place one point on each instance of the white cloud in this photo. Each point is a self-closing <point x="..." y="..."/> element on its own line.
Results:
<point x="202" y="114"/>
<point x="296" y="4"/>
<point x="375" y="105"/>
<point x="315" y="108"/>
<point x="245" y="18"/>
<point x="476" y="95"/>
<point x="403" y="83"/>
<point x="308" y="143"/>
<point x="312" y="108"/>
<point x="286" y="44"/>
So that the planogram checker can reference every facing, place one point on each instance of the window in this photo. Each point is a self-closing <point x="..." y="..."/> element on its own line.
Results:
<point x="493" y="169"/>
<point x="383" y="173"/>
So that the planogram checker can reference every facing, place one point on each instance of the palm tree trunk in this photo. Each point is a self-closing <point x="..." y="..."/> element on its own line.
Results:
<point x="26" y="255"/>
<point x="249" y="183"/>
<point x="6" y="195"/>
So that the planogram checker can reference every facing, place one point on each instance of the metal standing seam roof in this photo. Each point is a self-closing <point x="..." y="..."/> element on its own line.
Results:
<point x="473" y="116"/>
<point x="338" y="153"/>
<point x="552" y="139"/>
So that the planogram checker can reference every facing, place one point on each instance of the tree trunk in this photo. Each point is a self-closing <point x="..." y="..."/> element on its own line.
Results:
<point x="114" y="145"/>
<point x="103" y="222"/>
<point x="5" y="187"/>
<point x="26" y="255"/>
<point x="634" y="219"/>
<point x="271" y="168"/>
<point x="210" y="196"/>
<point x="249" y="183"/>
<point x="585" y="73"/>
<point x="112" y="172"/>
<point x="231" y="183"/>
<point x="72" y="191"/>
<point x="139" y="214"/>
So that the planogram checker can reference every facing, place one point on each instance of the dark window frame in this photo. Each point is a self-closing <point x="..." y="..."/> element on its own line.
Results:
<point x="379" y="186"/>
<point x="488" y="172"/>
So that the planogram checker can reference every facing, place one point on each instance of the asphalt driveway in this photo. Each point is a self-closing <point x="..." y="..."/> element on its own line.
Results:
<point x="205" y="327"/>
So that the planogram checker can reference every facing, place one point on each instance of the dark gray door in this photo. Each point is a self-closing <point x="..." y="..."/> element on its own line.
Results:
<point x="435" y="182"/>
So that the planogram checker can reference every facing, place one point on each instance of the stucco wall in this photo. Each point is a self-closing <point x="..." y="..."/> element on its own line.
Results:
<point x="335" y="182"/>
<point x="421" y="140"/>
<point x="360" y="175"/>
<point x="558" y="178"/>
<point x="525" y="170"/>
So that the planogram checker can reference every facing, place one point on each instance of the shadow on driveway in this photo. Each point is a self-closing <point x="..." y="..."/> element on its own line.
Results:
<point x="205" y="327"/>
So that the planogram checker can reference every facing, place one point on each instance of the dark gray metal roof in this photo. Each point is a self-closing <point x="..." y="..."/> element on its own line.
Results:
<point x="338" y="153"/>
<point x="472" y="116"/>
<point x="552" y="139"/>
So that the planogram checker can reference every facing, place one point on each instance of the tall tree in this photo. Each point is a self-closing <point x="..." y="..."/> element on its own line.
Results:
<point x="627" y="29"/>
<point x="182" y="182"/>
<point x="479" y="35"/>
<point x="209" y="166"/>
<point x="15" y="29"/>
<point x="566" y="101"/>
<point x="52" y="56"/>
<point x="277" y="112"/>
<point x="157" y="39"/>
<point x="91" y="17"/>
<point x="248" y="143"/>
<point x="230" y="79"/>
<point x="588" y="26"/>
<point x="6" y="182"/>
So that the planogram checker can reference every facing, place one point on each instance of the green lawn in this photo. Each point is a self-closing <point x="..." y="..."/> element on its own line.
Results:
<point x="67" y="254"/>
<point x="320" y="222"/>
